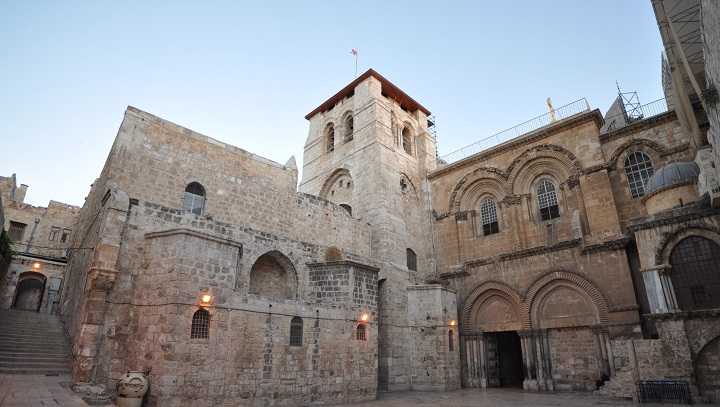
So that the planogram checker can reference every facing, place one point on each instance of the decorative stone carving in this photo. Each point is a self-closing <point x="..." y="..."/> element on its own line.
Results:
<point x="131" y="388"/>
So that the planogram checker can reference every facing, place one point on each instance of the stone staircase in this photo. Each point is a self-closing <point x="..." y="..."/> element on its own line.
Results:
<point x="32" y="343"/>
<point x="621" y="386"/>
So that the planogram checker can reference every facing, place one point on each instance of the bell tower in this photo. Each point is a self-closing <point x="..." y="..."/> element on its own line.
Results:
<point x="369" y="150"/>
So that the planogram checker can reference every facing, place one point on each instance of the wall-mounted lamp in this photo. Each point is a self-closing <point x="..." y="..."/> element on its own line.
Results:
<point x="364" y="317"/>
<point x="205" y="300"/>
<point x="453" y="322"/>
<point x="36" y="266"/>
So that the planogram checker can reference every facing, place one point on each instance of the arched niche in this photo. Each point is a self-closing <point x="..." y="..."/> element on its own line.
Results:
<point x="339" y="187"/>
<point x="273" y="276"/>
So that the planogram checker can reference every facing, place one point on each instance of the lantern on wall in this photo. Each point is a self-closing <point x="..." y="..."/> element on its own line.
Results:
<point x="205" y="300"/>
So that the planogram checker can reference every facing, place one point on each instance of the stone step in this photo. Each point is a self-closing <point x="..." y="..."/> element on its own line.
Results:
<point x="35" y="357"/>
<point x="35" y="349"/>
<point x="34" y="364"/>
<point x="35" y="371"/>
<point x="38" y="343"/>
<point x="5" y="353"/>
<point x="30" y="336"/>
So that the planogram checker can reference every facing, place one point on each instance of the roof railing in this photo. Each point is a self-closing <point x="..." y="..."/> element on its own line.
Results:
<point x="563" y="112"/>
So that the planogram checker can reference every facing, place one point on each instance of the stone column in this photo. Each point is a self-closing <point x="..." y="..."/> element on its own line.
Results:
<point x="529" y="358"/>
<point x="603" y="346"/>
<point x="543" y="360"/>
<point x="659" y="289"/>
<point x="482" y="359"/>
<point x="668" y="289"/>
<point x="471" y="361"/>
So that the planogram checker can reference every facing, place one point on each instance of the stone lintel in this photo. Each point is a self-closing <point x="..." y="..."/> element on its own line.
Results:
<point x="194" y="233"/>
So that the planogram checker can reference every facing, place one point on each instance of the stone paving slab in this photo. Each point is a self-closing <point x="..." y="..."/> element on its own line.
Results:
<point x="37" y="391"/>
<point x="495" y="397"/>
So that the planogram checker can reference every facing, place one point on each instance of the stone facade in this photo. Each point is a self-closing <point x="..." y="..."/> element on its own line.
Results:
<point x="539" y="263"/>
<point x="40" y="238"/>
<point x="710" y="28"/>
<point x="266" y="255"/>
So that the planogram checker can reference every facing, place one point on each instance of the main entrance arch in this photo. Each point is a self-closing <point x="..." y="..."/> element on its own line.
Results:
<point x="493" y="352"/>
<point x="553" y="337"/>
<point x="29" y="291"/>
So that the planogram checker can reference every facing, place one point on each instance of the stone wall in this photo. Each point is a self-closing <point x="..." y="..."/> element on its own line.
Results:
<point x="434" y="338"/>
<point x="43" y="247"/>
<point x="661" y="138"/>
<point x="710" y="26"/>
<point x="169" y="259"/>
<point x="386" y="188"/>
<point x="563" y="284"/>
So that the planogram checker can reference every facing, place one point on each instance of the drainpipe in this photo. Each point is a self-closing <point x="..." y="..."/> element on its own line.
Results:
<point x="32" y="235"/>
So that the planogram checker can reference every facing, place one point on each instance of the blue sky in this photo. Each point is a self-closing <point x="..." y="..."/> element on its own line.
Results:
<point x="246" y="73"/>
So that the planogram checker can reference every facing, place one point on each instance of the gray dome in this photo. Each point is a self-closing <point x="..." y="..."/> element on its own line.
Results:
<point x="676" y="173"/>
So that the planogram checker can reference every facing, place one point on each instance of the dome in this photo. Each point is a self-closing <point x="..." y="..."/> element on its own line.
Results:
<point x="677" y="173"/>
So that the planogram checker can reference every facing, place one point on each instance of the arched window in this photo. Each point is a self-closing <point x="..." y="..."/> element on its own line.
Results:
<point x="330" y="137"/>
<point x="695" y="274"/>
<point x="488" y="216"/>
<point x="349" y="127"/>
<point x="361" y="332"/>
<point x="547" y="200"/>
<point x="411" y="259"/>
<point x="348" y="208"/>
<point x="296" y="331"/>
<point x="638" y="168"/>
<point x="407" y="140"/>
<point x="451" y="340"/>
<point x="200" y="325"/>
<point x="194" y="199"/>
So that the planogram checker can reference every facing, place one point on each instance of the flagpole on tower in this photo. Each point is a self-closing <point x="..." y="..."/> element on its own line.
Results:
<point x="354" y="52"/>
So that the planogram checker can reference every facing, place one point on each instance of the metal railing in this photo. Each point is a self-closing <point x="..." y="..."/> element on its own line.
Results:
<point x="563" y="112"/>
<point x="658" y="391"/>
<point x="629" y="116"/>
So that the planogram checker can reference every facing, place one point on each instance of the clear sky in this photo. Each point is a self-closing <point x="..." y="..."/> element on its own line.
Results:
<point x="246" y="73"/>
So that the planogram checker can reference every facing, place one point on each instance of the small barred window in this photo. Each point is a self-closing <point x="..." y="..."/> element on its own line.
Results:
<point x="349" y="127"/>
<point x="194" y="199"/>
<point x="330" y="137"/>
<point x="407" y="140"/>
<point x="200" y="325"/>
<point x="547" y="200"/>
<point x="488" y="216"/>
<point x="638" y="169"/>
<point x="361" y="332"/>
<point x="296" y="331"/>
<point x="411" y="259"/>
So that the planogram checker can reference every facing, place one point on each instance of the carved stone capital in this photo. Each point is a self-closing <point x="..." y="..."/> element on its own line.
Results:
<point x="100" y="279"/>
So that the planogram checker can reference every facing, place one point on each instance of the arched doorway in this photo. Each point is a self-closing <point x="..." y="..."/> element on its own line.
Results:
<point x="707" y="371"/>
<point x="492" y="346"/>
<point x="695" y="274"/>
<point x="29" y="291"/>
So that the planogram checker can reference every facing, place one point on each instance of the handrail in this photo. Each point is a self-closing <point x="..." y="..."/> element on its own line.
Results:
<point x="563" y="112"/>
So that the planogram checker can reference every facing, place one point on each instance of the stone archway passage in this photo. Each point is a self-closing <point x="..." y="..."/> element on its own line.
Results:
<point x="29" y="291"/>
<point x="707" y="371"/>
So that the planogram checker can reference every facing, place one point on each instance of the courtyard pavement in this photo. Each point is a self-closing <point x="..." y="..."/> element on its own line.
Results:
<point x="493" y="398"/>
<point x="53" y="391"/>
<point x="37" y="391"/>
